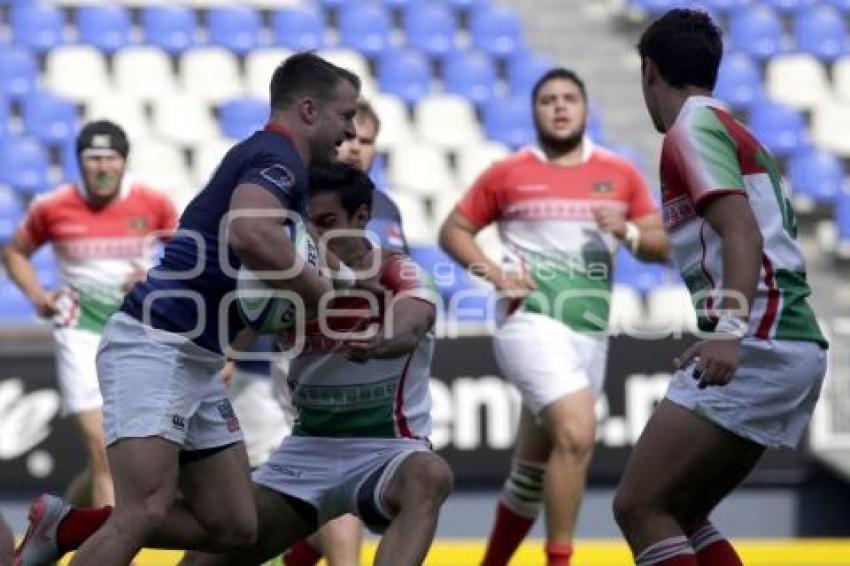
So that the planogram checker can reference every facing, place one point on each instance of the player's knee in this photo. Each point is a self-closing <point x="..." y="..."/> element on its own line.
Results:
<point x="575" y="439"/>
<point x="432" y="480"/>
<point x="630" y="508"/>
<point x="237" y="532"/>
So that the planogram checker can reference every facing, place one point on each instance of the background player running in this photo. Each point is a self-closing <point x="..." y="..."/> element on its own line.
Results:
<point x="99" y="231"/>
<point x="360" y="442"/>
<point x="562" y="208"/>
<point x="755" y="379"/>
<point x="166" y="414"/>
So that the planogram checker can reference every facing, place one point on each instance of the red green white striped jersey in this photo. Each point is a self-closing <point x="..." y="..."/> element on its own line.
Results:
<point x="708" y="153"/>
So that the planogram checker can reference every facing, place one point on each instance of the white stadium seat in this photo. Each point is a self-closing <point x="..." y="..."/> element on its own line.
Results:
<point x="447" y="121"/>
<point x="184" y="120"/>
<point x="797" y="79"/>
<point x="259" y="68"/>
<point x="128" y="112"/>
<point x="211" y="74"/>
<point x="144" y="73"/>
<point x="421" y="169"/>
<point x="626" y="309"/>
<point x="207" y="157"/>
<point x="396" y="129"/>
<point x="841" y="78"/>
<point x="356" y="63"/>
<point x="77" y="71"/>
<point x="162" y="166"/>
<point x="414" y="218"/>
<point x="475" y="159"/>
<point x="671" y="309"/>
<point x="831" y="126"/>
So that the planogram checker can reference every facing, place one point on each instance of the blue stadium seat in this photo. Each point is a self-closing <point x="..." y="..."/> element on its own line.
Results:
<point x="789" y="6"/>
<point x="169" y="27"/>
<point x="106" y="27"/>
<point x="822" y="32"/>
<point x="841" y="5"/>
<point x="724" y="7"/>
<point x="11" y="212"/>
<point x="46" y="268"/>
<point x="69" y="161"/>
<point x="470" y="74"/>
<point x="50" y="118"/>
<point x="430" y="27"/>
<point x="757" y="31"/>
<point x="816" y="174"/>
<point x="627" y="152"/>
<point x="331" y="4"/>
<point x="242" y="117"/>
<point x="654" y="7"/>
<point x="496" y="31"/>
<point x="508" y="120"/>
<point x="300" y="29"/>
<point x="39" y="26"/>
<point x="4" y="117"/>
<point x="642" y="277"/>
<point x="468" y="6"/>
<point x="524" y="72"/>
<point x="365" y="27"/>
<point x="478" y="306"/>
<point x="24" y="165"/>
<point x="739" y="80"/>
<point x="378" y="173"/>
<point x="448" y="276"/>
<point x="781" y="128"/>
<point x="595" y="127"/>
<point x="236" y="28"/>
<point x="19" y="70"/>
<point x="15" y="308"/>
<point x="405" y="73"/>
<point x="842" y="215"/>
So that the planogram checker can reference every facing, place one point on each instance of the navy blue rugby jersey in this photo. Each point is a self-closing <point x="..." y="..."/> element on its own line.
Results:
<point x="385" y="223"/>
<point x="184" y="292"/>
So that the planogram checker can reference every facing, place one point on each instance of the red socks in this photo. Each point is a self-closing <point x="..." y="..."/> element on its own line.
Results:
<point x="78" y="525"/>
<point x="509" y="529"/>
<point x="712" y="549"/>
<point x="680" y="560"/>
<point x="558" y="554"/>
<point x="302" y="553"/>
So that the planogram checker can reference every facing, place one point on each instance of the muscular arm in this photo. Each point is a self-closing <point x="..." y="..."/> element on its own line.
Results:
<point x="408" y="320"/>
<point x="16" y="258"/>
<point x="741" y="246"/>
<point x="654" y="246"/>
<point x="262" y="244"/>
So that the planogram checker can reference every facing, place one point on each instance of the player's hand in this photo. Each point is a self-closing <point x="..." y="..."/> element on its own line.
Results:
<point x="716" y="361"/>
<point x="47" y="304"/>
<point x="137" y="274"/>
<point x="226" y="372"/>
<point x="361" y="351"/>
<point x="513" y="284"/>
<point x="610" y="220"/>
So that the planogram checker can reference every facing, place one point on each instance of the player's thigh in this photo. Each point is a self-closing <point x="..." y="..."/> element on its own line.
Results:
<point x="282" y="520"/>
<point x="683" y="462"/>
<point x="145" y="473"/>
<point x="532" y="440"/>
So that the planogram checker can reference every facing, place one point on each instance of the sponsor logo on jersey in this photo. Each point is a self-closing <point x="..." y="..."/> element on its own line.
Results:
<point x="602" y="187"/>
<point x="140" y="223"/>
<point x="280" y="176"/>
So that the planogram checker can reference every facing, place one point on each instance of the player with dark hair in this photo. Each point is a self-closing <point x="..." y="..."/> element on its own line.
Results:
<point x="562" y="207"/>
<point x="754" y="380"/>
<point x="166" y="415"/>
<point x="360" y="444"/>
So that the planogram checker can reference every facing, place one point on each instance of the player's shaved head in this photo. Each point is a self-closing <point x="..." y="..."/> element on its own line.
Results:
<point x="685" y="46"/>
<point x="307" y="74"/>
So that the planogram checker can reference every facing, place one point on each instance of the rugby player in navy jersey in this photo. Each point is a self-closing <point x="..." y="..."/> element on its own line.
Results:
<point x="166" y="415"/>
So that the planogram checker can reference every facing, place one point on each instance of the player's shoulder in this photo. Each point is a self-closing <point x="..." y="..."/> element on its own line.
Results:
<point x="59" y="196"/>
<point x="521" y="157"/>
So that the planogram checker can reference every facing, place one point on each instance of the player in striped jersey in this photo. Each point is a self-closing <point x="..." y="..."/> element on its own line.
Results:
<point x="754" y="380"/>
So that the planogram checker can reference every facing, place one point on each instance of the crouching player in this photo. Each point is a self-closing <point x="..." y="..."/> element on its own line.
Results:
<point x="359" y="444"/>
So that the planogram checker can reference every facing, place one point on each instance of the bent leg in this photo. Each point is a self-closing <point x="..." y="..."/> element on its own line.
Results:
<point x="340" y="541"/>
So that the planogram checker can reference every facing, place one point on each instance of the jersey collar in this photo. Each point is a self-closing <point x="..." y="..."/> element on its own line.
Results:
<point x="698" y="101"/>
<point x="586" y="150"/>
<point x="279" y="129"/>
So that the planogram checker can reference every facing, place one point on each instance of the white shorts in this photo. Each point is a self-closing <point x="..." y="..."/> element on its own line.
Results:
<point x="265" y="416"/>
<point x="771" y="397"/>
<point x="76" y="371"/>
<point x="545" y="359"/>
<point x="166" y="388"/>
<point x="339" y="475"/>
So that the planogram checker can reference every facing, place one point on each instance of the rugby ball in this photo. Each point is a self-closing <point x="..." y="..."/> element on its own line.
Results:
<point x="257" y="302"/>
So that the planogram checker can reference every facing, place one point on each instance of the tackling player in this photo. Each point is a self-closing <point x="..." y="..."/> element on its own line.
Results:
<point x="754" y="381"/>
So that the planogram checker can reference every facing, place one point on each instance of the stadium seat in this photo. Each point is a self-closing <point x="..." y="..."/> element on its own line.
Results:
<point x="815" y="175"/>
<point x="236" y="28"/>
<point x="842" y="5"/>
<point x="211" y="74"/>
<point x="38" y="26"/>
<point x="626" y="312"/>
<point x="404" y="73"/>
<point x="822" y="32"/>
<point x="420" y="169"/>
<point x="842" y="217"/>
<point x="24" y="165"/>
<point x="523" y="72"/>
<point x="77" y="71"/>
<point x="260" y="65"/>
<point x="496" y="31"/>
<point x="671" y="310"/>
<point x="169" y="27"/>
<point x="126" y="111"/>
<point x="354" y="62"/>
<point x="19" y="70"/>
<point x="241" y="117"/>
<point x="757" y="31"/>
<point x="4" y="117"/>
<point x="299" y="29"/>
<point x="68" y="161"/>
<point x="51" y="119"/>
<point x="396" y="128"/>
<point x="365" y="27"/>
<point x="798" y="80"/>
<point x="207" y="157"/>
<point x="474" y="160"/>
<point x="789" y="6"/>
<point x="508" y="121"/>
<point x="15" y="308"/>
<point x="724" y="7"/>
<point x="184" y="120"/>
<point x="431" y="28"/>
<point x="11" y="212"/>
<point x="642" y="277"/>
<point x="653" y="7"/>
<point x="447" y="121"/>
<point x="153" y="64"/>
<point x="468" y="6"/>
<point x="106" y="27"/>
<point x="417" y="227"/>
<point x="739" y="81"/>
<point x="470" y="74"/>
<point x="448" y="276"/>
<point x="831" y="127"/>
<point x="46" y="267"/>
<point x="779" y="127"/>
<point x="163" y="166"/>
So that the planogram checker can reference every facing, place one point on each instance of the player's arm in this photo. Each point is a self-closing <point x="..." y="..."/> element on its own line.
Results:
<point x="457" y="238"/>
<point x="262" y="245"/>
<point x="407" y="321"/>
<point x="16" y="258"/>
<point x="644" y="237"/>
